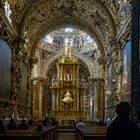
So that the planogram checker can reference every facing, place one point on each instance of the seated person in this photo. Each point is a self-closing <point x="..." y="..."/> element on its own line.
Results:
<point x="11" y="125"/>
<point x="80" y="124"/>
<point x="46" y="121"/>
<point x="2" y="127"/>
<point x="53" y="121"/>
<point x="23" y="125"/>
<point x="122" y="127"/>
<point x="34" y="121"/>
<point x="39" y="128"/>
<point x="30" y="122"/>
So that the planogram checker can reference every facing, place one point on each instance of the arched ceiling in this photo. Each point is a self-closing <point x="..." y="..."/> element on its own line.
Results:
<point x="61" y="23"/>
<point x="40" y="16"/>
<point x="102" y="19"/>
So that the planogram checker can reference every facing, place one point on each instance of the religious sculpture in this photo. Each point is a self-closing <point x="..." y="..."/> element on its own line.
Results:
<point x="67" y="76"/>
<point x="67" y="99"/>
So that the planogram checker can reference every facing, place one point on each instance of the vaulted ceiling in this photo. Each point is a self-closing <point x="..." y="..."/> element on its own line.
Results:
<point x="99" y="18"/>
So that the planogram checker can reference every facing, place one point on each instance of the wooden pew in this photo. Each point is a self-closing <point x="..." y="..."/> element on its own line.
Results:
<point x="91" y="133"/>
<point x="49" y="133"/>
<point x="18" y="136"/>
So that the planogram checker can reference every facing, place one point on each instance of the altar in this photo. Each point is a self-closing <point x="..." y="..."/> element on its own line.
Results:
<point x="67" y="121"/>
<point x="67" y="93"/>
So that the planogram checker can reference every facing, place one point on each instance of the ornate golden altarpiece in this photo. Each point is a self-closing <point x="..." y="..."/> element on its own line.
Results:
<point x="67" y="93"/>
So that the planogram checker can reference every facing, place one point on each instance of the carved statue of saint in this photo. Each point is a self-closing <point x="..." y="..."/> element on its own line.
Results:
<point x="67" y="76"/>
<point x="53" y="81"/>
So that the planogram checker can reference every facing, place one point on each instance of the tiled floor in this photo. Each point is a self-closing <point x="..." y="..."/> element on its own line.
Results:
<point x="66" y="136"/>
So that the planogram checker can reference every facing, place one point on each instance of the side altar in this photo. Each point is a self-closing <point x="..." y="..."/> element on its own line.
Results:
<point x="67" y="93"/>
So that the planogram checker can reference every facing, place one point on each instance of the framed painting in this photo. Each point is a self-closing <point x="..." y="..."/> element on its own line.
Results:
<point x="5" y="70"/>
<point x="126" y="71"/>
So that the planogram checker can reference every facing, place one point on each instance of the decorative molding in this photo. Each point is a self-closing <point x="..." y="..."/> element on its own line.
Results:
<point x="8" y="24"/>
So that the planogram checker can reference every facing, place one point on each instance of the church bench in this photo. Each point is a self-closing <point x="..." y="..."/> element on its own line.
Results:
<point x="48" y="133"/>
<point x="18" y="136"/>
<point x="91" y="133"/>
<point x="51" y="132"/>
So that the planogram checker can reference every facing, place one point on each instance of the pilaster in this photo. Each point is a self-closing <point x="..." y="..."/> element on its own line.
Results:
<point x="98" y="98"/>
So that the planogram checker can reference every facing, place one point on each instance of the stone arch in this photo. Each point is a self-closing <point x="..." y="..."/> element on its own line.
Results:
<point x="101" y="44"/>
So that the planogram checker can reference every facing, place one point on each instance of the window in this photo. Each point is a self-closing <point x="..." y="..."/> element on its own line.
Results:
<point x="68" y="30"/>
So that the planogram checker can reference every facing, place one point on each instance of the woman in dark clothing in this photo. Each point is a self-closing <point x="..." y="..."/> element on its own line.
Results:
<point x="122" y="128"/>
